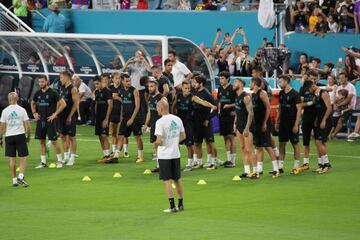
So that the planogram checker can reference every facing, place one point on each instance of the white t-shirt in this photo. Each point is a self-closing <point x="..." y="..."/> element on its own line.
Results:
<point x="179" y="71"/>
<point x="83" y="88"/>
<point x="14" y="116"/>
<point x="169" y="127"/>
<point x="352" y="90"/>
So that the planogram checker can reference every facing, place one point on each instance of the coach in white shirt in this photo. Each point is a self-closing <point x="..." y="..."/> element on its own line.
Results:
<point x="13" y="118"/>
<point x="169" y="131"/>
<point x="179" y="70"/>
<point x="85" y="96"/>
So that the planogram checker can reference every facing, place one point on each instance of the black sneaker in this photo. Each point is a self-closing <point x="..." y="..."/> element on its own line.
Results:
<point x="112" y="160"/>
<point x="255" y="176"/>
<point x="275" y="174"/>
<point x="319" y="169"/>
<point x="244" y="175"/>
<point x="155" y="170"/>
<point x="181" y="208"/>
<point x="281" y="170"/>
<point x="229" y="164"/>
<point x="22" y="182"/>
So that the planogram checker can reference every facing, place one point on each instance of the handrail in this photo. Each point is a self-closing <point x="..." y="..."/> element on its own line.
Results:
<point x="39" y="13"/>
<point x="12" y="17"/>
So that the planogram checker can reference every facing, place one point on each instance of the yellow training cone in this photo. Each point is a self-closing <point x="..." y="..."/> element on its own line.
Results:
<point x="52" y="165"/>
<point x="117" y="175"/>
<point x="173" y="186"/>
<point x="236" y="178"/>
<point x="147" y="171"/>
<point x="18" y="170"/>
<point x="201" y="182"/>
<point x="86" y="179"/>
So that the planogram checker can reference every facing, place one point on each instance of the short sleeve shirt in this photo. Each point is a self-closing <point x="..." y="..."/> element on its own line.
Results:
<point x="14" y="116"/>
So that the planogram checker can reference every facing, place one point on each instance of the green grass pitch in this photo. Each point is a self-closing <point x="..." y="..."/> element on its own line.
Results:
<point x="58" y="205"/>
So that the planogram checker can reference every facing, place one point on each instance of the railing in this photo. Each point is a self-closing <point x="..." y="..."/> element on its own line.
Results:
<point x="10" y="22"/>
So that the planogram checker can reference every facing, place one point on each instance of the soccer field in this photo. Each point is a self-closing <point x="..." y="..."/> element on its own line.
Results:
<point x="58" y="205"/>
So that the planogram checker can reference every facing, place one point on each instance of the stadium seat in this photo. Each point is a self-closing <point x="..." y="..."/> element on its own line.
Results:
<point x="6" y="86"/>
<point x="25" y="87"/>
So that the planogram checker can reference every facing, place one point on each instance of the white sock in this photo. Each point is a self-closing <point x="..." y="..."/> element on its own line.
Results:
<point x="199" y="161"/>
<point x="43" y="158"/>
<point x="125" y="148"/>
<point x="190" y="161"/>
<point x="296" y="163"/>
<point x="59" y="157"/>
<point x="157" y="162"/>
<point x="276" y="152"/>
<point x="275" y="165"/>
<point x="106" y="152"/>
<point x="140" y="153"/>
<point x="14" y="180"/>
<point x="209" y="158"/>
<point x="212" y="160"/>
<point x="254" y="170"/>
<point x="21" y="176"/>
<point x="66" y="155"/>
<point x="281" y="163"/>
<point x="325" y="159"/>
<point x="195" y="157"/>
<point x="113" y="148"/>
<point x="117" y="153"/>
<point x="306" y="160"/>
<point x="247" y="168"/>
<point x="260" y="166"/>
<point x="228" y="155"/>
<point x="320" y="160"/>
<point x="233" y="158"/>
<point x="72" y="157"/>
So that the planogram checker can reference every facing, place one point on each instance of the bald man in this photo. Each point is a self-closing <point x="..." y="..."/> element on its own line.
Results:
<point x="16" y="121"/>
<point x="169" y="132"/>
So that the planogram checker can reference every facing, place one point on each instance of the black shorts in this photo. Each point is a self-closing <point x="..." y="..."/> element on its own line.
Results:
<point x="226" y="125"/>
<point x="286" y="134"/>
<point x="45" y="128"/>
<point x="99" y="130"/>
<point x="152" y="133"/>
<point x="262" y="139"/>
<point x="115" y="119"/>
<point x="189" y="140"/>
<point x="16" y="144"/>
<point x="322" y="134"/>
<point x="307" y="127"/>
<point x="169" y="169"/>
<point x="135" y="128"/>
<point x="201" y="132"/>
<point x="64" y="129"/>
<point x="335" y="120"/>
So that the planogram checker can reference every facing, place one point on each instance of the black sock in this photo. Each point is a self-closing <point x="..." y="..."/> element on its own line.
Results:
<point x="180" y="202"/>
<point x="172" y="203"/>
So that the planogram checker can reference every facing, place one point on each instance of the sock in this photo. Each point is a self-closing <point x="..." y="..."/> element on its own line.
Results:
<point x="325" y="159"/>
<point x="43" y="158"/>
<point x="247" y="168"/>
<point x="21" y="176"/>
<point x="140" y="153"/>
<point x="276" y="152"/>
<point x="228" y="155"/>
<point x="195" y="158"/>
<point x="125" y="148"/>
<point x="117" y="153"/>
<point x="14" y="180"/>
<point x="233" y="158"/>
<point x="72" y="157"/>
<point x="260" y="166"/>
<point x="281" y="163"/>
<point x="106" y="152"/>
<point x="66" y="155"/>
<point x="190" y="161"/>
<point x="59" y="157"/>
<point x="180" y="204"/>
<point x="172" y="203"/>
<point x="209" y="158"/>
<point x="199" y="161"/>
<point x="275" y="165"/>
<point x="320" y="160"/>
<point x="296" y="163"/>
<point x="306" y="160"/>
<point x="213" y="160"/>
<point x="157" y="163"/>
<point x="254" y="170"/>
<point x="113" y="148"/>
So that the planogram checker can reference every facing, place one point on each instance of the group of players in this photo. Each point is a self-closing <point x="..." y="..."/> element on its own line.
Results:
<point x="242" y="113"/>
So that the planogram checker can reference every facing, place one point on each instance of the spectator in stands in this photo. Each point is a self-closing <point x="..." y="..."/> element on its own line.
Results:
<point x="303" y="62"/>
<point x="55" y="22"/>
<point x="315" y="63"/>
<point x="49" y="59"/>
<point x="142" y="5"/>
<point x="157" y="57"/>
<point x="61" y="60"/>
<point x="34" y="58"/>
<point x="328" y="7"/>
<point x="321" y="26"/>
<point x="116" y="63"/>
<point x="80" y="4"/>
<point x="331" y="88"/>
<point x="299" y="16"/>
<point x="350" y="68"/>
<point x="357" y="16"/>
<point x="313" y="19"/>
<point x="21" y="10"/>
<point x="222" y="64"/>
<point x="242" y="62"/>
<point x="332" y="24"/>
<point x="346" y="18"/>
<point x="184" y="5"/>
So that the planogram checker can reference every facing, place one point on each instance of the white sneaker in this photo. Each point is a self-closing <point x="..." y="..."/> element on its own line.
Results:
<point x="154" y="157"/>
<point x="207" y="164"/>
<point x="219" y="162"/>
<point x="70" y="163"/>
<point x="353" y="135"/>
<point x="169" y="210"/>
<point x="41" y="165"/>
<point x="59" y="164"/>
<point x="187" y="168"/>
<point x="351" y="140"/>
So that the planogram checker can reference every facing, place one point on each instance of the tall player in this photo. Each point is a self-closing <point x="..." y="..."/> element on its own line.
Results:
<point x="46" y="107"/>
<point x="226" y="96"/>
<point x="67" y="119"/>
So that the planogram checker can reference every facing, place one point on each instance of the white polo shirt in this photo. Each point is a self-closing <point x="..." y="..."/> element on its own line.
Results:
<point x="14" y="116"/>
<point x="179" y="71"/>
<point x="83" y="88"/>
<point x="169" y="128"/>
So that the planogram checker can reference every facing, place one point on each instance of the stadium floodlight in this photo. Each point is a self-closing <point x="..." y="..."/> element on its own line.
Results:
<point x="32" y="54"/>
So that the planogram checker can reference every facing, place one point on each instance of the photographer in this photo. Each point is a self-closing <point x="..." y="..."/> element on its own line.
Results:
<point x="299" y="16"/>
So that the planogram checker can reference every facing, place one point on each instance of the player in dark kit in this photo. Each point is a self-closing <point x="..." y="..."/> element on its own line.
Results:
<point x="103" y="108"/>
<point x="67" y="118"/>
<point x="164" y="85"/>
<point x="152" y="115"/>
<point x="183" y="108"/>
<point x="226" y="95"/>
<point x="262" y="135"/>
<point x="287" y="122"/>
<point x="130" y="119"/>
<point x="244" y="128"/>
<point x="322" y="123"/>
<point x="46" y="107"/>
